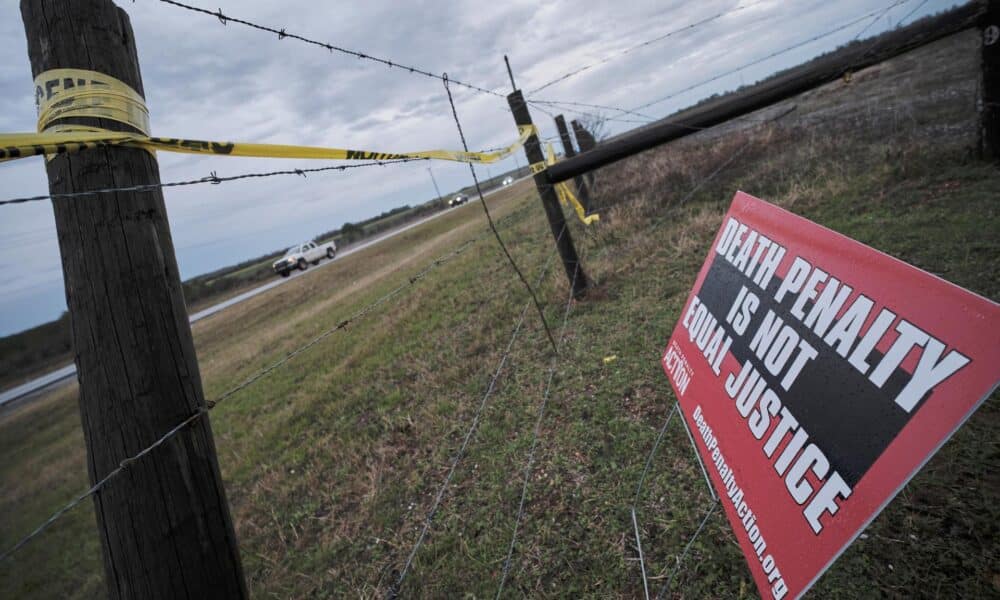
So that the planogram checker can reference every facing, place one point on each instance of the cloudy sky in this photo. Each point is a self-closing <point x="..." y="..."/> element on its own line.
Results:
<point x="208" y="81"/>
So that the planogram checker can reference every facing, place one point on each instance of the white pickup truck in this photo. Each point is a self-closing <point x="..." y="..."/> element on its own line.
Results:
<point x="299" y="257"/>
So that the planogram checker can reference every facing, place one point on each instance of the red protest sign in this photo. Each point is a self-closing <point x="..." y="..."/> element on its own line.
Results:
<point x="817" y="376"/>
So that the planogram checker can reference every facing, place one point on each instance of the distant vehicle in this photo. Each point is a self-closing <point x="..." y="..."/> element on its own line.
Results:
<point x="459" y="199"/>
<point x="299" y="257"/>
<point x="508" y="180"/>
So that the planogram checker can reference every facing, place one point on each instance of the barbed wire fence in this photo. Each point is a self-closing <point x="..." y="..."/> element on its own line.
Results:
<point x="212" y="178"/>
<point x="252" y="379"/>
<point x="396" y="586"/>
<point x="283" y="34"/>
<point x="461" y="248"/>
<point x="642" y="44"/>
<point x="757" y="61"/>
<point x="536" y="434"/>
<point x="489" y="218"/>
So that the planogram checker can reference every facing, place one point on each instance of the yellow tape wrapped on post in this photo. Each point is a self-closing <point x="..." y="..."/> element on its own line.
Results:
<point x="566" y="195"/>
<point x="66" y="93"/>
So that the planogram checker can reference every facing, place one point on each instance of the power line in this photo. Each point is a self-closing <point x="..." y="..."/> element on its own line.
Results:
<point x="283" y="34"/>
<point x="764" y="58"/>
<point x="664" y="36"/>
<point x="212" y="178"/>
<point x="211" y="404"/>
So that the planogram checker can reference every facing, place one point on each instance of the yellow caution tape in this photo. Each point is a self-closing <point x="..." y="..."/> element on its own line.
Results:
<point x="66" y="93"/>
<point x="62" y="93"/>
<point x="566" y="195"/>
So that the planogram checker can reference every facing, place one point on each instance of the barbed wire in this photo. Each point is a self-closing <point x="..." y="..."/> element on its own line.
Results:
<point x="283" y="34"/>
<point x="677" y="123"/>
<point x="211" y="404"/>
<point x="878" y="40"/>
<point x="715" y="172"/>
<point x="765" y="58"/>
<point x="564" y="103"/>
<point x="212" y="178"/>
<point x="648" y="42"/>
<point x="457" y="457"/>
<point x="676" y="408"/>
<point x="875" y="19"/>
<point x="569" y="107"/>
<point x="553" y="363"/>
<point x="489" y="218"/>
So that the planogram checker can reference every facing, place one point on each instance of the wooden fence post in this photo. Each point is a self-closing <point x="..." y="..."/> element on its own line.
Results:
<point x="587" y="142"/>
<point x="991" y="81"/>
<point x="582" y="192"/>
<point x="557" y="221"/>
<point x="164" y="523"/>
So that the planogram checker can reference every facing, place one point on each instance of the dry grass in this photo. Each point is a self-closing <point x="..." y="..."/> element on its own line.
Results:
<point x="331" y="462"/>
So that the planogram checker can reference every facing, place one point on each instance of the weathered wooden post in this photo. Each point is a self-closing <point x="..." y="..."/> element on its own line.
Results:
<point x="164" y="523"/>
<point x="583" y="194"/>
<point x="587" y="142"/>
<point x="557" y="221"/>
<point x="583" y="137"/>
<point x="991" y="81"/>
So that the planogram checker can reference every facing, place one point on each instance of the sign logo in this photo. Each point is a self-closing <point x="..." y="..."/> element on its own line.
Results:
<point x="820" y="375"/>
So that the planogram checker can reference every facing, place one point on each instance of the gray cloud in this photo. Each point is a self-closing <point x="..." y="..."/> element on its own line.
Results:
<point x="209" y="81"/>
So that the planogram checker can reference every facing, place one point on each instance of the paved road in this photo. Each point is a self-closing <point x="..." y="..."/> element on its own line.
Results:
<point x="66" y="374"/>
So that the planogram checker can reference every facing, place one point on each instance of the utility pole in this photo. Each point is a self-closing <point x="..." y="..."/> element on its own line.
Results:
<point x="557" y="221"/>
<point x="435" y="184"/>
<point x="567" y="143"/>
<point x="164" y="522"/>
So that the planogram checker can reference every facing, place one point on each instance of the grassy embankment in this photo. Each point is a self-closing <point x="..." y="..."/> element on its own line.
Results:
<point x="332" y="461"/>
<point x="34" y="352"/>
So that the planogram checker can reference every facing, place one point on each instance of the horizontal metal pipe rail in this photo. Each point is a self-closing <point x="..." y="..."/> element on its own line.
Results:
<point x="786" y="85"/>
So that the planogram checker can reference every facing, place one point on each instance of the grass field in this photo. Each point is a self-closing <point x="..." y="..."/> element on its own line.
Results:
<point x="332" y="461"/>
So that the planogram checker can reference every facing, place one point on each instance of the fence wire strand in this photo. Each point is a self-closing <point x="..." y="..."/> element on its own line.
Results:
<point x="568" y="103"/>
<point x="774" y="54"/>
<point x="642" y="44"/>
<point x="210" y="404"/>
<point x="283" y="34"/>
<point x="489" y="219"/>
<point x="457" y="457"/>
<point x="676" y="407"/>
<point x="529" y="465"/>
<point x="212" y="178"/>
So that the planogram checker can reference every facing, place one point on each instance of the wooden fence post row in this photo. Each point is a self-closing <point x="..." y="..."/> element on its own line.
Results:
<point x="583" y="193"/>
<point x="557" y="221"/>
